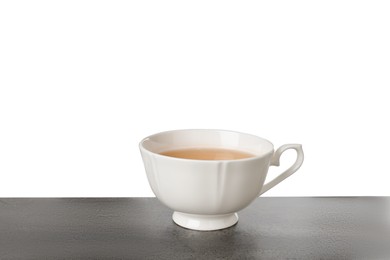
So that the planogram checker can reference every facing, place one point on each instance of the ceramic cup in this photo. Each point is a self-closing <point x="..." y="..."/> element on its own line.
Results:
<point x="207" y="194"/>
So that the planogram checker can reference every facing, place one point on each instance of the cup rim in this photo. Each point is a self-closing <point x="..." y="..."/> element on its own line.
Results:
<point x="255" y="157"/>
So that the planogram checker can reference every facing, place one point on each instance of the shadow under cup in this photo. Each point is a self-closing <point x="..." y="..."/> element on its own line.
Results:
<point x="206" y="194"/>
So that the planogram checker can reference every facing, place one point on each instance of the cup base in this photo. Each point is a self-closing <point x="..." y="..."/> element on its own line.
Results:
<point x="204" y="222"/>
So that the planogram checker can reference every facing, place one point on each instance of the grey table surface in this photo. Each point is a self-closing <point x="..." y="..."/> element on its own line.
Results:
<point x="142" y="228"/>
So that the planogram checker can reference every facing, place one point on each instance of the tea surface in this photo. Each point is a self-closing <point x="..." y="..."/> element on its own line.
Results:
<point x="208" y="154"/>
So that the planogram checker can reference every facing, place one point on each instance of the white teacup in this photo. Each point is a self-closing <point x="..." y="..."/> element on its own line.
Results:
<point x="206" y="194"/>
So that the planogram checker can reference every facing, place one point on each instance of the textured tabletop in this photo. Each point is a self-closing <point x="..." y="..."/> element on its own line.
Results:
<point x="142" y="228"/>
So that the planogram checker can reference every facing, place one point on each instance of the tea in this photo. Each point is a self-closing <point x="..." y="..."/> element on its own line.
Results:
<point x="208" y="154"/>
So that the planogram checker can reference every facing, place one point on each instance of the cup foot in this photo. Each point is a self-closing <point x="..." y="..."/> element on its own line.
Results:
<point x="204" y="222"/>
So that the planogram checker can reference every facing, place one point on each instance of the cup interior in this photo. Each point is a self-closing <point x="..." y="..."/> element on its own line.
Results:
<point x="204" y="138"/>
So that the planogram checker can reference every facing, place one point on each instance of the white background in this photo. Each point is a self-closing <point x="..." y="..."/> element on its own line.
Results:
<point x="82" y="82"/>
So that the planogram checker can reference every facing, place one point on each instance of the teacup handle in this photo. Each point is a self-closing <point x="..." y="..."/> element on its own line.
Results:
<point x="289" y="171"/>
